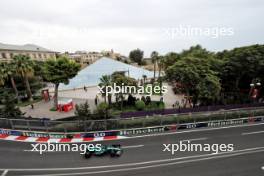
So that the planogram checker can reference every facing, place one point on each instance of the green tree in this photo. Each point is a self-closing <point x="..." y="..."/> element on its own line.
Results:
<point x="11" y="72"/>
<point x="103" y="110"/>
<point x="58" y="71"/>
<point x="170" y="59"/>
<point x="154" y="58"/>
<point x="161" y="63"/>
<point x="106" y="80"/>
<point x="140" y="105"/>
<point x="9" y="109"/>
<point x="241" y="66"/>
<point x="194" y="78"/>
<point x="3" y="73"/>
<point x="82" y="111"/>
<point x="121" y="80"/>
<point x="136" y="56"/>
<point x="24" y="66"/>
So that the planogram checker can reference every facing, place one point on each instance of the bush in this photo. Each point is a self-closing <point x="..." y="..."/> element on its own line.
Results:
<point x="131" y="100"/>
<point x="82" y="111"/>
<point x="143" y="99"/>
<point x="148" y="100"/>
<point x="161" y="105"/>
<point x="103" y="110"/>
<point x="140" y="105"/>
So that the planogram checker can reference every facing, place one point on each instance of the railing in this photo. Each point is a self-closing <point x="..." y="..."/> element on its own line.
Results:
<point x="125" y="123"/>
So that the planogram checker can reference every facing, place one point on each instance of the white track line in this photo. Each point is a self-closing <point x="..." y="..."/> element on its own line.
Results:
<point x="132" y="146"/>
<point x="155" y="165"/>
<point x="254" y="132"/>
<point x="4" y="173"/>
<point x="196" y="139"/>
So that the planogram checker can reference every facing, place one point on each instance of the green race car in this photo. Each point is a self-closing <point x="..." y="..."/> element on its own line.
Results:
<point x="112" y="150"/>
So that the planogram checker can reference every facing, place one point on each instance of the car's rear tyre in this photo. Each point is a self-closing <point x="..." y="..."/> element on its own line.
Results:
<point x="87" y="155"/>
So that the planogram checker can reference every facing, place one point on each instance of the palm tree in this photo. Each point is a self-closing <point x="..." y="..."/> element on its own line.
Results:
<point x="154" y="56"/>
<point x="24" y="66"/>
<point x="7" y="70"/>
<point x="105" y="80"/>
<point x="3" y="74"/>
<point x="160" y="62"/>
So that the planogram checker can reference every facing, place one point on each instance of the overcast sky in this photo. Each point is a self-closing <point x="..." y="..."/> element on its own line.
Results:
<point x="123" y="25"/>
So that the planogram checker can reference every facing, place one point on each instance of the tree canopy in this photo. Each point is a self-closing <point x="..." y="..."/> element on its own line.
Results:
<point x="136" y="56"/>
<point x="58" y="71"/>
<point x="234" y="69"/>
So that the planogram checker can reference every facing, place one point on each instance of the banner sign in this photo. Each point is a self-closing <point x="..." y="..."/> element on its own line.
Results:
<point x="100" y="134"/>
<point x="142" y="131"/>
<point x="226" y="122"/>
<point x="10" y="132"/>
<point x="2" y="131"/>
<point x="36" y="134"/>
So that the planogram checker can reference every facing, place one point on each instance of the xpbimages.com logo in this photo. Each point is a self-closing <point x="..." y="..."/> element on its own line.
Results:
<point x="187" y="146"/>
<point x="116" y="89"/>
<point x="59" y="147"/>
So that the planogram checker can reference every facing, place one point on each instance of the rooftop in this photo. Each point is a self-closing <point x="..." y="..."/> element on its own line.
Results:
<point x="26" y="47"/>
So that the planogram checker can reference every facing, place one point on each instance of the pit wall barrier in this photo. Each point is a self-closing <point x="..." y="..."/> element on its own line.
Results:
<point x="134" y="131"/>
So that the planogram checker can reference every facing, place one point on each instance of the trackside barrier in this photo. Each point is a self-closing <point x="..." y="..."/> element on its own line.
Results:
<point x="136" y="131"/>
<point x="188" y="110"/>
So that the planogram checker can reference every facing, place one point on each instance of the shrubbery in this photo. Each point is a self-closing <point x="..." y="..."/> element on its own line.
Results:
<point x="140" y="105"/>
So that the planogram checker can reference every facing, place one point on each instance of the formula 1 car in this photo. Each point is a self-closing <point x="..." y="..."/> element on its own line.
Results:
<point x="112" y="150"/>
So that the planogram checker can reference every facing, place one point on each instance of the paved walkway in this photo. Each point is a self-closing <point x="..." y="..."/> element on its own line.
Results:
<point x="42" y="109"/>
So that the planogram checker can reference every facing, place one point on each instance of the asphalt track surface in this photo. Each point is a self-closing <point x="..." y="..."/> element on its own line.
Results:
<point x="145" y="156"/>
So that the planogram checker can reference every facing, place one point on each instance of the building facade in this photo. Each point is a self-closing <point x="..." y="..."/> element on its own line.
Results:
<point x="84" y="58"/>
<point x="35" y="52"/>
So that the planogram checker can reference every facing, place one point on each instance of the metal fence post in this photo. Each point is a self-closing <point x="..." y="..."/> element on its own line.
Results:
<point x="11" y="123"/>
<point x="46" y="126"/>
<point x="65" y="128"/>
<point x="84" y="125"/>
<point x="28" y="125"/>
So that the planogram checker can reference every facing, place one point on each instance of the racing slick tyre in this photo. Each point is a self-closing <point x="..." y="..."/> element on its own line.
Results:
<point x="118" y="153"/>
<point x="87" y="155"/>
